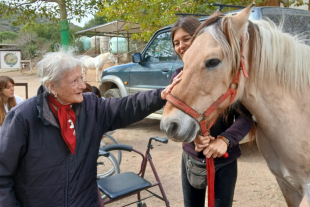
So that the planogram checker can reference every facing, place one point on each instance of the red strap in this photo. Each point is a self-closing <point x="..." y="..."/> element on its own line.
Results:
<point x="180" y="105"/>
<point x="210" y="178"/>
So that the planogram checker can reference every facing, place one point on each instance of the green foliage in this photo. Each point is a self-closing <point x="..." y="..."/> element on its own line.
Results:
<point x="7" y="36"/>
<point x="28" y="11"/>
<point x="97" y="20"/>
<point x="154" y="14"/>
<point x="47" y="31"/>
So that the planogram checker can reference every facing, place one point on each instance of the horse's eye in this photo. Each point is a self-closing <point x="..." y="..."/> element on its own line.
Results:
<point x="212" y="63"/>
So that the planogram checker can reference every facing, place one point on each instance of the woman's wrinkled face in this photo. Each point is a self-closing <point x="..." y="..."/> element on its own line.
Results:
<point x="182" y="40"/>
<point x="8" y="92"/>
<point x="70" y="89"/>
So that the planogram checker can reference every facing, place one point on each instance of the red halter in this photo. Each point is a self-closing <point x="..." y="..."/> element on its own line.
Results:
<point x="202" y="117"/>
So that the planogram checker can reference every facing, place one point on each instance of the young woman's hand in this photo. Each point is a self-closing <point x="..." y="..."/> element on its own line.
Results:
<point x="168" y="89"/>
<point x="216" y="148"/>
<point x="202" y="142"/>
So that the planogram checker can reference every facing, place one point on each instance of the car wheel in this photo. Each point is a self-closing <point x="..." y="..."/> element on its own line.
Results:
<point x="113" y="93"/>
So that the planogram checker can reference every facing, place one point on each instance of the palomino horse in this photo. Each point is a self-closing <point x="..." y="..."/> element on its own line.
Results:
<point x="96" y="63"/>
<point x="276" y="92"/>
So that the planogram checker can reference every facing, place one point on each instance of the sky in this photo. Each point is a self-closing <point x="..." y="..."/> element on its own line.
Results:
<point x="83" y="21"/>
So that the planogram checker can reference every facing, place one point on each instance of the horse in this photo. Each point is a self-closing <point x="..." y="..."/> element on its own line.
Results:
<point x="274" y="85"/>
<point x="96" y="63"/>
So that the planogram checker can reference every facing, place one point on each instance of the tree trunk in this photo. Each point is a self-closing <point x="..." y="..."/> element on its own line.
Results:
<point x="64" y="25"/>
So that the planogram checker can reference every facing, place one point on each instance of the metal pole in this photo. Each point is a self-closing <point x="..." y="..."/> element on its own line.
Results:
<point x="79" y="43"/>
<point x="128" y="42"/>
<point x="95" y="42"/>
<point x="117" y="43"/>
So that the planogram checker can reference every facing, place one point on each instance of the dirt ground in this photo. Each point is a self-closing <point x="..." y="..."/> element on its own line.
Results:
<point x="256" y="186"/>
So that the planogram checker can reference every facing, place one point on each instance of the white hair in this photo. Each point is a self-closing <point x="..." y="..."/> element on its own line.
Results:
<point x="54" y="64"/>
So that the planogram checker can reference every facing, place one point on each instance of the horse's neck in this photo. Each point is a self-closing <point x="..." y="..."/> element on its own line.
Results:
<point x="283" y="120"/>
<point x="277" y="111"/>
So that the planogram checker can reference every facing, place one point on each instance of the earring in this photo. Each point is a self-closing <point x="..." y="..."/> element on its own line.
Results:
<point x="55" y="95"/>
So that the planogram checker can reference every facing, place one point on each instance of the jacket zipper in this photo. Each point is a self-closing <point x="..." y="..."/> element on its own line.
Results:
<point x="67" y="178"/>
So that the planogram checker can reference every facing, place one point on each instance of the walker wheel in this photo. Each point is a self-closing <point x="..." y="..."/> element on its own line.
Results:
<point x="141" y="204"/>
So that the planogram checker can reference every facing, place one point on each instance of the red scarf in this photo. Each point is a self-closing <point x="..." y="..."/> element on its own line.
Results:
<point x="66" y="117"/>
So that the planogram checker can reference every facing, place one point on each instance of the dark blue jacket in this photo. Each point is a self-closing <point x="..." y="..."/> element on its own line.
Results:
<point x="36" y="167"/>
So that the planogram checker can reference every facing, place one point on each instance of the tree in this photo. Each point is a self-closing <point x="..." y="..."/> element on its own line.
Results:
<point x="288" y="3"/>
<point x="154" y="14"/>
<point x="7" y="36"/>
<point x="97" y="20"/>
<point x="28" y="11"/>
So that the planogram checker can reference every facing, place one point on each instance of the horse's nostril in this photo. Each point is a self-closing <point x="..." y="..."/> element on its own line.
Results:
<point x="172" y="129"/>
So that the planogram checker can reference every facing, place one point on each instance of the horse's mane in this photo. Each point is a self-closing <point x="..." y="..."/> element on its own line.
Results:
<point x="273" y="55"/>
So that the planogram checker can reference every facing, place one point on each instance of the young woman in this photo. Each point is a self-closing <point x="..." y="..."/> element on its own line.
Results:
<point x="8" y="99"/>
<point x="227" y="131"/>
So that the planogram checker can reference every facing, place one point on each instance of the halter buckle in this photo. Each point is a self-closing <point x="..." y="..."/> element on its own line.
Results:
<point x="236" y="84"/>
<point x="201" y="118"/>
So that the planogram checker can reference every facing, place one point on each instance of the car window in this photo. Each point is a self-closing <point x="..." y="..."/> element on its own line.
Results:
<point x="296" y="22"/>
<point x="160" y="49"/>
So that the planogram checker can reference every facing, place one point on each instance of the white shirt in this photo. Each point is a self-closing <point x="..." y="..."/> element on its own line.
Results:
<point x="18" y="101"/>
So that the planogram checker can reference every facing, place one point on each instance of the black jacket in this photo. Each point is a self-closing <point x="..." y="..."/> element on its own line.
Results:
<point x="36" y="167"/>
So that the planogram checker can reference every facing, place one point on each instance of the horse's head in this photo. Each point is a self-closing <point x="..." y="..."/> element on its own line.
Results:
<point x="112" y="58"/>
<point x="211" y="65"/>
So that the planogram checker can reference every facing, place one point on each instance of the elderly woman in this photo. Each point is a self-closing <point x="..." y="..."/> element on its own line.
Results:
<point x="49" y="143"/>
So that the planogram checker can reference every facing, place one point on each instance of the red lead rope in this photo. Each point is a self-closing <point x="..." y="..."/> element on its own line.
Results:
<point x="201" y="119"/>
<point x="210" y="179"/>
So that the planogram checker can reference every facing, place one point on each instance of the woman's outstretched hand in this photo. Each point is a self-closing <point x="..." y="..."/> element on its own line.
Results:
<point x="168" y="89"/>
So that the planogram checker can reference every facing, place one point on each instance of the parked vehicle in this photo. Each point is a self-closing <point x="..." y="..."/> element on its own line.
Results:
<point x="154" y="67"/>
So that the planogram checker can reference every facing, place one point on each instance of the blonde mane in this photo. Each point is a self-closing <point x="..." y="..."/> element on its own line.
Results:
<point x="273" y="55"/>
<point x="284" y="58"/>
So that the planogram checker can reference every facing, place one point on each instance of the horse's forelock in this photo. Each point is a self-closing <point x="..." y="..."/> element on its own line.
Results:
<point x="220" y="28"/>
<point x="214" y="18"/>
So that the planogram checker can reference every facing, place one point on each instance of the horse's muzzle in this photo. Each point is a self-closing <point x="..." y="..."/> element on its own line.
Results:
<point x="180" y="130"/>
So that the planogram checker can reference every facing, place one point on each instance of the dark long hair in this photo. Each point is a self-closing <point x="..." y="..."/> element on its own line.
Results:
<point x="96" y="91"/>
<point x="188" y="23"/>
<point x="4" y="80"/>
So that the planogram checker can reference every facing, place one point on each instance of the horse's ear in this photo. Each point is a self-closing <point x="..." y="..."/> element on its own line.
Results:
<point x="239" y="21"/>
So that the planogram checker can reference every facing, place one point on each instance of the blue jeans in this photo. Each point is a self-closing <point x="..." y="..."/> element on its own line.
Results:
<point x="224" y="187"/>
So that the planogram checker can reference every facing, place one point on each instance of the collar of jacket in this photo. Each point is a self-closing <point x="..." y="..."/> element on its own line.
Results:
<point x="44" y="111"/>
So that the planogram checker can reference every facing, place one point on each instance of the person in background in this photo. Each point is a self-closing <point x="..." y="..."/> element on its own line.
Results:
<point x="8" y="98"/>
<point x="224" y="136"/>
<point x="50" y="142"/>
<point x="88" y="88"/>
<point x="97" y="92"/>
